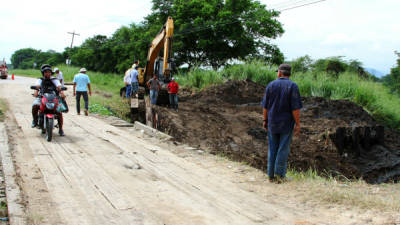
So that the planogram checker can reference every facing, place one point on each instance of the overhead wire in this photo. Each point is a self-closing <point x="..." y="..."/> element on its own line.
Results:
<point x="288" y="7"/>
<point x="287" y="4"/>
<point x="295" y="7"/>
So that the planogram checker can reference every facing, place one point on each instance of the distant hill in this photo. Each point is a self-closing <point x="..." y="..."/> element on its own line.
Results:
<point x="375" y="72"/>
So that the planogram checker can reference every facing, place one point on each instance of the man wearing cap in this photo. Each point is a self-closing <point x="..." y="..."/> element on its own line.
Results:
<point x="81" y="86"/>
<point x="59" y="76"/>
<point x="134" y="80"/>
<point x="173" y="88"/>
<point x="281" y="109"/>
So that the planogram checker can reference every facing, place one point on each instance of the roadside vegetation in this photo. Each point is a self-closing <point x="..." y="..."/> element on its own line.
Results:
<point x="329" y="190"/>
<point x="3" y="109"/>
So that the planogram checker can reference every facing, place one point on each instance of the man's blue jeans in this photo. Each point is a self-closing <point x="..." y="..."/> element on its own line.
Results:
<point x="135" y="87"/>
<point x="78" y="100"/>
<point x="173" y="101"/>
<point x="278" y="153"/>
<point x="128" y="91"/>
<point x="153" y="96"/>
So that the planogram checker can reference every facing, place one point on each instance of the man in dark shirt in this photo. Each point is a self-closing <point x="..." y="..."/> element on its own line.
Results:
<point x="154" y="85"/>
<point x="282" y="104"/>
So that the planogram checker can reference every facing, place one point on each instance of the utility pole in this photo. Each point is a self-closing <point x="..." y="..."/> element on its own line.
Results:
<point x="73" y="35"/>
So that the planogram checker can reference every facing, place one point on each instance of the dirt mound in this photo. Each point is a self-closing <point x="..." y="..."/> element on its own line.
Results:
<point x="338" y="137"/>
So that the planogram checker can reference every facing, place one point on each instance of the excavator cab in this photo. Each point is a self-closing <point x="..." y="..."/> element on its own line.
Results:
<point x="164" y="76"/>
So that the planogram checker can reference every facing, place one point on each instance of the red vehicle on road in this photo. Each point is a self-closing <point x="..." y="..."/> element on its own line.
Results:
<point x="3" y="69"/>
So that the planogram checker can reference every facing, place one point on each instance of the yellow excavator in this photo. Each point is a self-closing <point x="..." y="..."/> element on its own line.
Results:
<point x="162" y="66"/>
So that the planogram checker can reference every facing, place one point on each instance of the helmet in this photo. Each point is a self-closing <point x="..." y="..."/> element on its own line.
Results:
<point x="45" y="67"/>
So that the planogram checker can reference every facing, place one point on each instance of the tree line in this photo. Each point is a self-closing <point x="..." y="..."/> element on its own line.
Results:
<point x="331" y="65"/>
<point x="392" y="80"/>
<point x="206" y="33"/>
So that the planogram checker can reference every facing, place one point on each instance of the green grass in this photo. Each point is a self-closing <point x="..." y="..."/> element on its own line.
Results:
<point x="330" y="190"/>
<point x="3" y="109"/>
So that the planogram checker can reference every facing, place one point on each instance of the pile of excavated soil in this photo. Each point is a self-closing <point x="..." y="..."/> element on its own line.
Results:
<point x="338" y="137"/>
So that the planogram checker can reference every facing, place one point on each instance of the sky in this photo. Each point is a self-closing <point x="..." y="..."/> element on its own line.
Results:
<point x="366" y="30"/>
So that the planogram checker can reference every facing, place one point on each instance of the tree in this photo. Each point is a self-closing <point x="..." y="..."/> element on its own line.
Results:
<point x="129" y="44"/>
<point x="95" y="54"/>
<point x="335" y="65"/>
<point x="355" y="66"/>
<point x="31" y="58"/>
<point x="301" y="64"/>
<point x="24" y="58"/>
<point x="393" y="79"/>
<point x="214" y="32"/>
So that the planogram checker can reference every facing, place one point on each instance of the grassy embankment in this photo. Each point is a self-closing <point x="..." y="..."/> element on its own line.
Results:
<point x="105" y="98"/>
<point x="328" y="190"/>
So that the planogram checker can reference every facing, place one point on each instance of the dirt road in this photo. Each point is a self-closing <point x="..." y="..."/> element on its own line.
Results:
<point x="102" y="174"/>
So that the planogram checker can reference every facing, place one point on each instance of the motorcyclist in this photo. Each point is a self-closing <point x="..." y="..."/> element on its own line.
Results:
<point x="47" y="83"/>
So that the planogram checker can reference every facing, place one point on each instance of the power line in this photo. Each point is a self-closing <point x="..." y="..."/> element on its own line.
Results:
<point x="299" y="6"/>
<point x="286" y="4"/>
<point x="237" y="20"/>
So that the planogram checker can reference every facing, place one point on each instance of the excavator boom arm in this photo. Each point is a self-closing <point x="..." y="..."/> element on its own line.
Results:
<point x="163" y="39"/>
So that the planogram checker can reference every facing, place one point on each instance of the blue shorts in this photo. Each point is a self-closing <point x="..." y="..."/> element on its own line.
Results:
<point x="135" y="86"/>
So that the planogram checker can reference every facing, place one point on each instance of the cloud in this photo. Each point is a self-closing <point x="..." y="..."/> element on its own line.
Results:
<point x="45" y="25"/>
<point x="358" y="29"/>
<point x="338" y="39"/>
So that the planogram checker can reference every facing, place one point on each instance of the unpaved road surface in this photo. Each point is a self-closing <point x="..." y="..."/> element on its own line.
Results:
<point x="102" y="174"/>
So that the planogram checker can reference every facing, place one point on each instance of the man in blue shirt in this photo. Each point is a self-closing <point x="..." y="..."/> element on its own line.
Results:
<point x="134" y="80"/>
<point x="81" y="86"/>
<point x="281" y="109"/>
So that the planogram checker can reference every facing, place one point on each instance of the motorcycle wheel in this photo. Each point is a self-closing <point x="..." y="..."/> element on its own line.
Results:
<point x="49" y="128"/>
<point x="41" y="123"/>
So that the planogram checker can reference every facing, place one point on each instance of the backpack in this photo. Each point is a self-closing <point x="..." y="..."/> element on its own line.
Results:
<point x="48" y="86"/>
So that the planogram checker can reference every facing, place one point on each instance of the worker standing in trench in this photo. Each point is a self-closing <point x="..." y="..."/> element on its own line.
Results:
<point x="281" y="109"/>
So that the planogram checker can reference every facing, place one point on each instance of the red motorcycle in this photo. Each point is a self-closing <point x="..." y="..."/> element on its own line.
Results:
<point x="49" y="109"/>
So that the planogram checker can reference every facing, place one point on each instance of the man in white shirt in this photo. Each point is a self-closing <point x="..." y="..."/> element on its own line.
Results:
<point x="127" y="82"/>
<point x="59" y="76"/>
